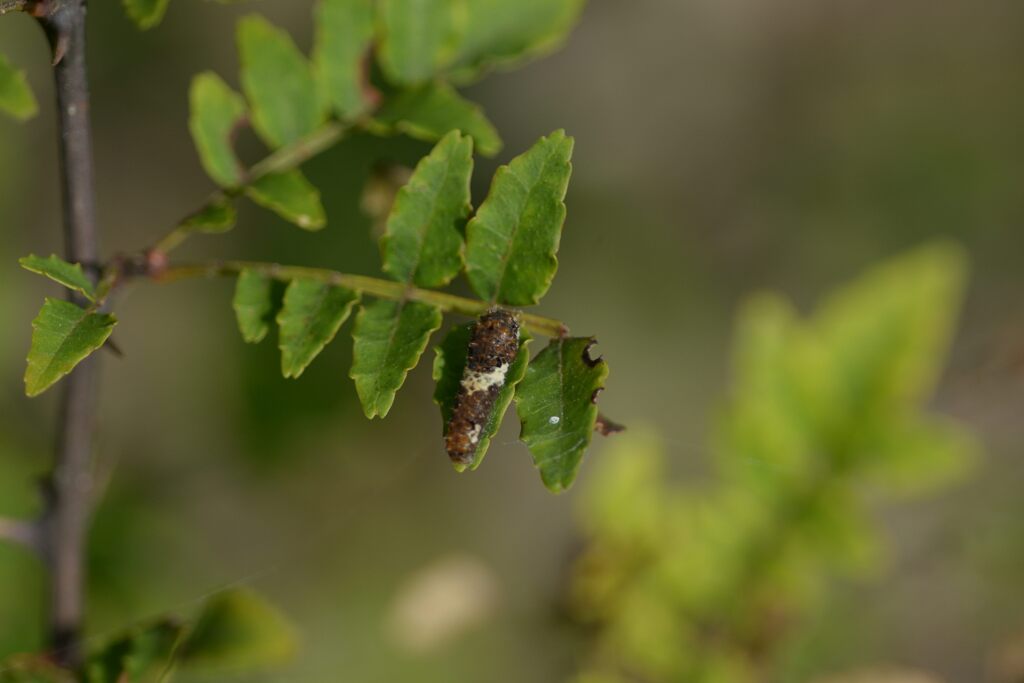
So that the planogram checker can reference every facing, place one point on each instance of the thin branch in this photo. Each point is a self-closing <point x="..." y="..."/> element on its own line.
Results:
<point x="69" y="499"/>
<point x="383" y="289"/>
<point x="284" y="159"/>
<point x="22" y="532"/>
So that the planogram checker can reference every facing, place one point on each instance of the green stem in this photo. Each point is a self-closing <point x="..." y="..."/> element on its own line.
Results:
<point x="382" y="289"/>
<point x="284" y="159"/>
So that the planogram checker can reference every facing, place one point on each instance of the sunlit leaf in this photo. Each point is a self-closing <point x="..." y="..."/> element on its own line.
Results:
<point x="216" y="110"/>
<point x="344" y="32"/>
<point x="290" y="196"/>
<point x="512" y="241"/>
<point x="310" y="318"/>
<point x="16" y="97"/>
<point x="429" y="112"/>
<point x="423" y="240"/>
<point x="60" y="271"/>
<point x="63" y="336"/>
<point x="279" y="83"/>
<point x="145" y="655"/>
<point x="215" y="217"/>
<point x="253" y="305"/>
<point x="557" y="406"/>
<point x="390" y="337"/>
<point x="449" y="365"/>
<point x="238" y="630"/>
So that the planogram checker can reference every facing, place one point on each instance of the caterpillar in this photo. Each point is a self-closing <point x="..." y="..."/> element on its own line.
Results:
<point x="493" y="346"/>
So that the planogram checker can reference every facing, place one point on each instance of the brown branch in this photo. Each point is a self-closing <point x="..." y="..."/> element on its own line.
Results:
<point x="69" y="499"/>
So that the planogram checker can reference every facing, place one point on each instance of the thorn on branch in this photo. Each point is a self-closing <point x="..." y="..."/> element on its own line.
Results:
<point x="58" y="20"/>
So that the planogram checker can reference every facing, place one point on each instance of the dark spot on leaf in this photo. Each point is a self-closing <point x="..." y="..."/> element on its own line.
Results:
<point x="593" y="396"/>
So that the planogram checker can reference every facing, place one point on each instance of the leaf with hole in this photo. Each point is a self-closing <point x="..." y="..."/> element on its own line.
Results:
<point x="291" y="197"/>
<point x="390" y="337"/>
<point x="449" y="365"/>
<point x="60" y="271"/>
<point x="423" y="243"/>
<point x="557" y="406"/>
<point x="63" y="336"/>
<point x="279" y="83"/>
<point x="16" y="97"/>
<point x="309" y="319"/>
<point x="512" y="242"/>
<point x="344" y="33"/>
<point x="215" y="112"/>
<point x="430" y="111"/>
<point x="254" y="306"/>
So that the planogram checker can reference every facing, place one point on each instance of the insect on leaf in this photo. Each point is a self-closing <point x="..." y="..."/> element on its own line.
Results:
<point x="68" y="274"/>
<point x="430" y="111"/>
<point x="344" y="33"/>
<point x="279" y="83"/>
<point x="423" y="240"/>
<point x="512" y="241"/>
<point x="291" y="197"/>
<point x="309" y="319"/>
<point x="216" y="110"/>
<point x="63" y="336"/>
<point x="556" y="402"/>
<point x="390" y="337"/>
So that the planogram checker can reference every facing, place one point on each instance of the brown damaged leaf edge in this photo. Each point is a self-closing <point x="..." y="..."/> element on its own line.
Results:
<point x="604" y="425"/>
<point x="493" y="346"/>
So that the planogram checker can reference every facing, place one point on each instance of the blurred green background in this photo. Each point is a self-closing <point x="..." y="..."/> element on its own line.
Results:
<point x="723" y="147"/>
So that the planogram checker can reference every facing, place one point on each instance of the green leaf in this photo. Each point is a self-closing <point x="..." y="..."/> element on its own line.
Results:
<point x="216" y="217"/>
<point x="61" y="272"/>
<point x="430" y="111"/>
<point x="279" y="83"/>
<point x="311" y="316"/>
<point x="557" y="407"/>
<point x="63" y="336"/>
<point x="33" y="669"/>
<point x="512" y="241"/>
<point x="215" y="111"/>
<point x="390" y="337"/>
<point x="145" y="655"/>
<point x="253" y="305"/>
<point x="16" y="97"/>
<point x="238" y="630"/>
<point x="423" y="240"/>
<point x="449" y="365"/>
<point x="344" y="33"/>
<point x="145" y="13"/>
<point x="290" y="196"/>
<point x="423" y="39"/>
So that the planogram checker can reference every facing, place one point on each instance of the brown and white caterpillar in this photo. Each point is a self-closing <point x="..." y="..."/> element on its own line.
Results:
<point x="493" y="346"/>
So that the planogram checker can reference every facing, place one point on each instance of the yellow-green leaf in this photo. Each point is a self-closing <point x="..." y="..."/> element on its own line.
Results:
<point x="309" y="319"/>
<point x="557" y="406"/>
<point x="291" y="197"/>
<point x="16" y="97"/>
<point x="145" y="13"/>
<point x="63" y="336"/>
<point x="216" y="110"/>
<point x="68" y="274"/>
<point x="512" y="242"/>
<point x="390" y="337"/>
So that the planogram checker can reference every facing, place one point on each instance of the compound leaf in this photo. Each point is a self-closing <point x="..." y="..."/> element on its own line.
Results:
<point x="236" y="630"/>
<point x="390" y="337"/>
<point x="423" y="240"/>
<point x="449" y="365"/>
<point x="278" y="82"/>
<point x="310" y="318"/>
<point x="63" y="336"/>
<point x="215" y="110"/>
<point x="68" y="274"/>
<point x="145" y="13"/>
<point x="291" y="197"/>
<point x="253" y="305"/>
<point x="16" y="97"/>
<point x="344" y="32"/>
<point x="429" y="112"/>
<point x="512" y="241"/>
<point x="556" y="402"/>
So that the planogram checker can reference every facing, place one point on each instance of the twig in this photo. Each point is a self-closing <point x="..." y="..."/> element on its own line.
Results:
<point x="66" y="519"/>
<point x="383" y="289"/>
